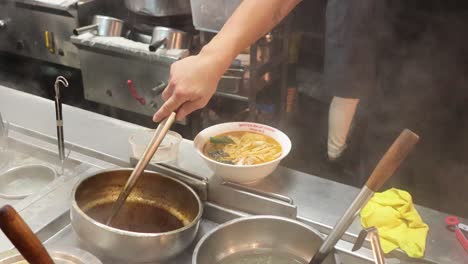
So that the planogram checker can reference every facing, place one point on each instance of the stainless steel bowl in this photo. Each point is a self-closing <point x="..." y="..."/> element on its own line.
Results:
<point x="169" y="38"/>
<point x="108" y="26"/>
<point x="159" y="220"/>
<point x="259" y="237"/>
<point x="60" y="255"/>
<point x="104" y="26"/>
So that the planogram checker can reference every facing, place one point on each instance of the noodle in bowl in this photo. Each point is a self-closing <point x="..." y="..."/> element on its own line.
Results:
<point x="243" y="174"/>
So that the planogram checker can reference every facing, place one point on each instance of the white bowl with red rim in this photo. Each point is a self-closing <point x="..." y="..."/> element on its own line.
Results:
<point x="243" y="174"/>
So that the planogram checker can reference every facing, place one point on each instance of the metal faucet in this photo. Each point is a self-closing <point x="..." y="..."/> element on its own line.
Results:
<point x="373" y="235"/>
<point x="59" y="117"/>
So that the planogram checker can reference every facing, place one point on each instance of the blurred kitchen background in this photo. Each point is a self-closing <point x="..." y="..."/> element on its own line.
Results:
<point x="423" y="80"/>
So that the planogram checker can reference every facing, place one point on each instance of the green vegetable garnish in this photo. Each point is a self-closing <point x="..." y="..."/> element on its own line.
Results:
<point x="221" y="140"/>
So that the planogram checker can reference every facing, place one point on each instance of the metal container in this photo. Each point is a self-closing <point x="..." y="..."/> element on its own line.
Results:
<point x="169" y="38"/>
<point x="60" y="256"/>
<point x="104" y="26"/>
<point x="258" y="237"/>
<point x="159" y="8"/>
<point x="210" y="16"/>
<point x="159" y="220"/>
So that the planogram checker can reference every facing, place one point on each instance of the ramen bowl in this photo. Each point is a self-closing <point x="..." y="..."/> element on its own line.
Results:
<point x="243" y="174"/>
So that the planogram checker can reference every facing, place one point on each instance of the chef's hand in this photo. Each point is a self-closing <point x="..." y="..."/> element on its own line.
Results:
<point x="192" y="83"/>
<point x="193" y="80"/>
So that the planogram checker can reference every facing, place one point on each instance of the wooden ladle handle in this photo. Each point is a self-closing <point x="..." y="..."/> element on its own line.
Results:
<point x="23" y="237"/>
<point x="392" y="159"/>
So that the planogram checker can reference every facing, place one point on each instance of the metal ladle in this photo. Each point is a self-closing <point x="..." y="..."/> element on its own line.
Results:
<point x="158" y="137"/>
<point x="382" y="172"/>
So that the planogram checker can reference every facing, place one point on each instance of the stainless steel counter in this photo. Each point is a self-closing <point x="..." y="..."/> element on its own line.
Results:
<point x="319" y="202"/>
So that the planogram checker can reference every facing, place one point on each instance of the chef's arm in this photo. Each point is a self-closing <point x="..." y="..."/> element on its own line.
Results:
<point x="194" y="79"/>
<point x="251" y="20"/>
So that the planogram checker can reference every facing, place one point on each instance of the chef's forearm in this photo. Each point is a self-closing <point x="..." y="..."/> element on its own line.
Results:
<point x="251" y="20"/>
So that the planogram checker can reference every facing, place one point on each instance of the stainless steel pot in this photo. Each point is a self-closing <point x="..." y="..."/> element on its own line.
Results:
<point x="104" y="26"/>
<point x="159" y="8"/>
<point x="169" y="38"/>
<point x="258" y="238"/>
<point x="159" y="219"/>
<point x="59" y="255"/>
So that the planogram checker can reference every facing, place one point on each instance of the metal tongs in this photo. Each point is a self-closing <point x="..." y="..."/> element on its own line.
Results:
<point x="158" y="137"/>
<point x="373" y="235"/>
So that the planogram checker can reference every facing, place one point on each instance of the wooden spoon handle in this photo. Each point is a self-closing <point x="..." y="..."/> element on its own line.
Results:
<point x="23" y="237"/>
<point x="392" y="159"/>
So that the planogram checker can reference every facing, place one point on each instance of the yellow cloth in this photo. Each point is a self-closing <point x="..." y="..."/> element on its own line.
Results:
<point x="392" y="212"/>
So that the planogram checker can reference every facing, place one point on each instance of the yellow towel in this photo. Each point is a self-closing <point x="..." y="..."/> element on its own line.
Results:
<point x="392" y="212"/>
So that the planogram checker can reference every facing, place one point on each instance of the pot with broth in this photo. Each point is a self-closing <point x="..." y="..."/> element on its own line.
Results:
<point x="262" y="239"/>
<point x="242" y="148"/>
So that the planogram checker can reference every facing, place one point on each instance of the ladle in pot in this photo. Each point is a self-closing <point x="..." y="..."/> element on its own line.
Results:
<point x="382" y="172"/>
<point x="158" y="137"/>
<point x="23" y="237"/>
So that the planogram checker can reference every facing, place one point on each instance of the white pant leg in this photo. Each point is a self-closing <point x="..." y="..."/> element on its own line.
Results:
<point x="340" y="118"/>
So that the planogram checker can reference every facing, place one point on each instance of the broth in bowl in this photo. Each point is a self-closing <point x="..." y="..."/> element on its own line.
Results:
<point x="242" y="148"/>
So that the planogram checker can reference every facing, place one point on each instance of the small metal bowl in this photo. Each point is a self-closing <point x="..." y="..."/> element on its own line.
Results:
<point x="23" y="181"/>
<point x="59" y="256"/>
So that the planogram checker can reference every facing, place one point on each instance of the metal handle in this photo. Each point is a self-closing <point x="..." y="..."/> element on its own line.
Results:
<point x="158" y="137"/>
<point x="160" y="87"/>
<point x="373" y="235"/>
<point x="140" y="99"/>
<point x="154" y="45"/>
<point x="377" y="248"/>
<point x="81" y="30"/>
<point x="59" y="117"/>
